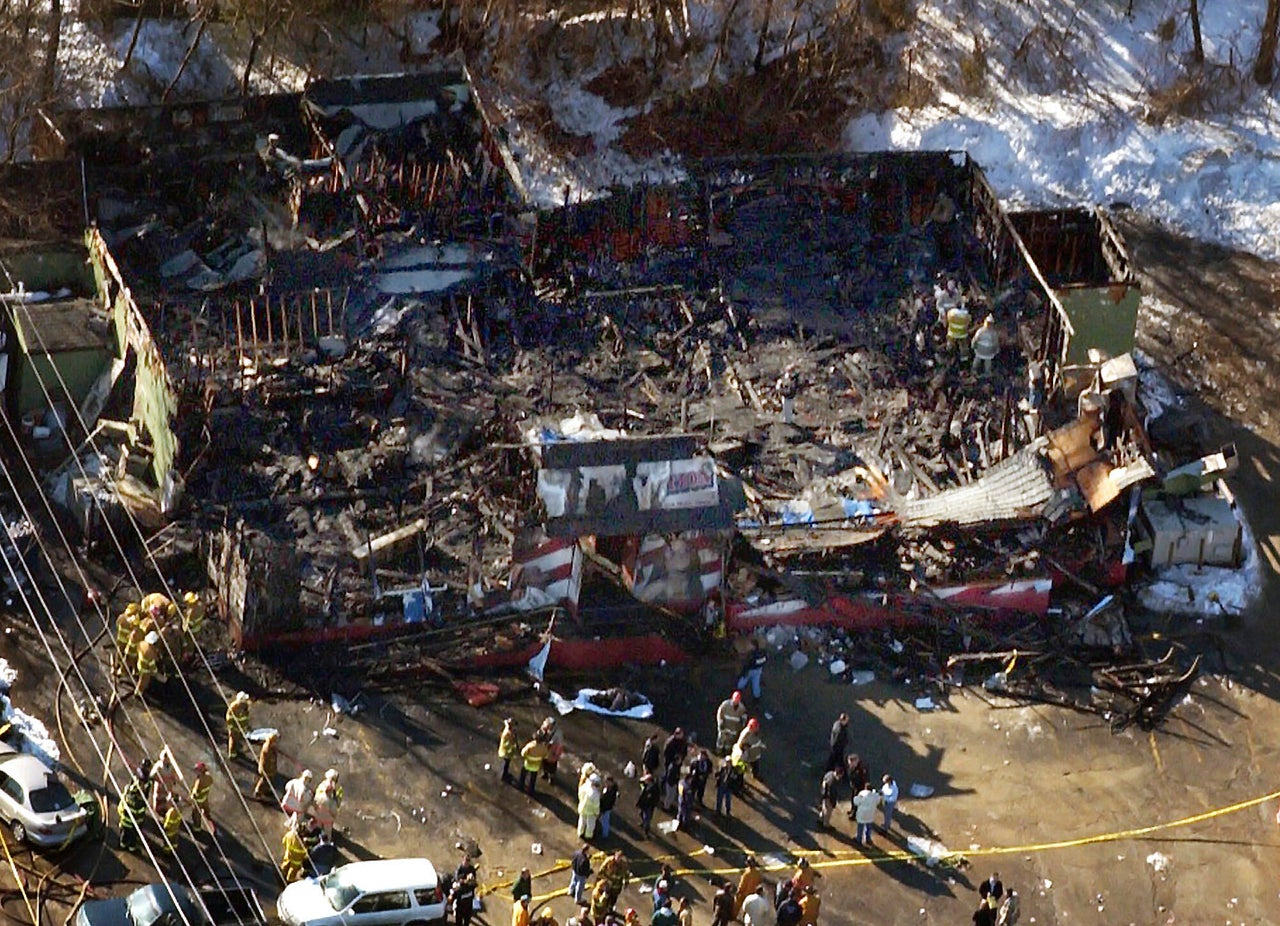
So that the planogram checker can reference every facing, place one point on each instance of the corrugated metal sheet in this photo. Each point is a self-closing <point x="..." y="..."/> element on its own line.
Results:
<point x="1012" y="490"/>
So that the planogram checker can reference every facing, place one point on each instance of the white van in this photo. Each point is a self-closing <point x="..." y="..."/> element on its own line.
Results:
<point x="387" y="892"/>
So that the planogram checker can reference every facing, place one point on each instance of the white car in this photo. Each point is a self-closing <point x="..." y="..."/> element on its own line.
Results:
<point x="38" y="809"/>
<point x="387" y="892"/>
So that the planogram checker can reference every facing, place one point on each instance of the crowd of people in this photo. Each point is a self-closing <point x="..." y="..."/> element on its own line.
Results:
<point x="675" y="775"/>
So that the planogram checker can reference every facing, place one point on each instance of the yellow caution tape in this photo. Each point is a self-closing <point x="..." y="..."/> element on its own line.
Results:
<point x="857" y="858"/>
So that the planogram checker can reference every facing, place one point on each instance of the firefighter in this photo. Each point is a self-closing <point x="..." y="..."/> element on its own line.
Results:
<point x="159" y="608"/>
<point x="730" y="716"/>
<point x="142" y="626"/>
<point x="986" y="345"/>
<point x="297" y="797"/>
<point x="324" y="809"/>
<point x="201" y="785"/>
<point x="193" y="613"/>
<point x="295" y="855"/>
<point x="132" y="811"/>
<point x="268" y="765"/>
<point x="171" y="824"/>
<point x="958" y="319"/>
<point x="164" y="782"/>
<point x="748" y="749"/>
<point x="148" y="662"/>
<point x="126" y="623"/>
<point x="237" y="724"/>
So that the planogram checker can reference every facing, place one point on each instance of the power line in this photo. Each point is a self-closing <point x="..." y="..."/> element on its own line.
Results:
<point x="125" y="558"/>
<point x="89" y="637"/>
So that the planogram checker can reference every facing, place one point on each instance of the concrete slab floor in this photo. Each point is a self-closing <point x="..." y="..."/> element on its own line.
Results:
<point x="1007" y="780"/>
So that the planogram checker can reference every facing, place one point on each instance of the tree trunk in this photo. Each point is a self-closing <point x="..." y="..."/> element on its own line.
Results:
<point x="186" y="59"/>
<point x="50" y="72"/>
<point x="1264" y="68"/>
<point x="133" y="39"/>
<point x="1197" y="53"/>
<point x="254" y="45"/>
<point x="764" y="33"/>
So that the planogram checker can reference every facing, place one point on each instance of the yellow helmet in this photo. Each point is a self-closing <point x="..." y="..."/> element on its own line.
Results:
<point x="190" y="598"/>
<point x="132" y="608"/>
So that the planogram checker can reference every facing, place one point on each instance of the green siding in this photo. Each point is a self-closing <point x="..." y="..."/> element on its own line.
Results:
<point x="79" y="369"/>
<point x="155" y="403"/>
<point x="1100" y="319"/>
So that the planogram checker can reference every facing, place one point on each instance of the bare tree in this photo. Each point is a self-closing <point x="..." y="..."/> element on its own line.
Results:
<point x="764" y="33"/>
<point x="1264" y="68"/>
<point x="1197" y="53"/>
<point x="50" y="72"/>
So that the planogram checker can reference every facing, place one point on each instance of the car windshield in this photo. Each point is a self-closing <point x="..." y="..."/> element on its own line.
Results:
<point x="338" y="891"/>
<point x="52" y="798"/>
<point x="141" y="906"/>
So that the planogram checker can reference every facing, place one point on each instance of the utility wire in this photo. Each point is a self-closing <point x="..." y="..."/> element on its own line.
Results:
<point x="166" y="745"/>
<point x="88" y="636"/>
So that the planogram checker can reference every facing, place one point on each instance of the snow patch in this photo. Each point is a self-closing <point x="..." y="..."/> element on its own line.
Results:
<point x="1207" y="591"/>
<point x="35" y="735"/>
<point x="1098" y="141"/>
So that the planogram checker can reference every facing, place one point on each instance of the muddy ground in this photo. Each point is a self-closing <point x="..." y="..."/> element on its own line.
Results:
<point x="1007" y="779"/>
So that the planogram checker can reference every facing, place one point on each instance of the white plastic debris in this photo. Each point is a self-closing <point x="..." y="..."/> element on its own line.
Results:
<point x="799" y="660"/>
<point x="487" y="767"/>
<point x="331" y="732"/>
<point x="629" y="770"/>
<point x="1047" y="883"/>
<point x="862" y="677"/>
<point x="1159" y="861"/>
<point x="919" y="790"/>
<point x="710" y="850"/>
<point x="668" y="827"/>
<point x="925" y="704"/>
<point x="837" y="666"/>
<point x="536" y="848"/>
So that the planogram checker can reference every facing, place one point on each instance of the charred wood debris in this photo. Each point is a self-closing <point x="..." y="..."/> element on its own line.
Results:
<point x="323" y="419"/>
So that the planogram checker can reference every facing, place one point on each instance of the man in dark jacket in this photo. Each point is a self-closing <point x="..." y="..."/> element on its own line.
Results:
<point x="752" y="669"/>
<point x="722" y="906"/>
<point x="675" y="749"/>
<point x="608" y="800"/>
<point x="579" y="871"/>
<point x="647" y="802"/>
<point x="651" y="756"/>
<point x="789" y="912"/>
<point x="700" y="769"/>
<point x="838" y="742"/>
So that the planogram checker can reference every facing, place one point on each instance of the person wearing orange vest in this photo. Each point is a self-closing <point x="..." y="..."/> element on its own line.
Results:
<point x="810" y="904"/>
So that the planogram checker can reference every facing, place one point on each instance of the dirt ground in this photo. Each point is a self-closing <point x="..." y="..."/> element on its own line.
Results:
<point x="1074" y="818"/>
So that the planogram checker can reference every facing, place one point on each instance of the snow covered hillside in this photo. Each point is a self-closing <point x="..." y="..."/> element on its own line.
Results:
<point x="1061" y="101"/>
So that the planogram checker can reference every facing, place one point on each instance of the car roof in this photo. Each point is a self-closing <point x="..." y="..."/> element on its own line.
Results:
<point x="27" y="770"/>
<point x="389" y="874"/>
